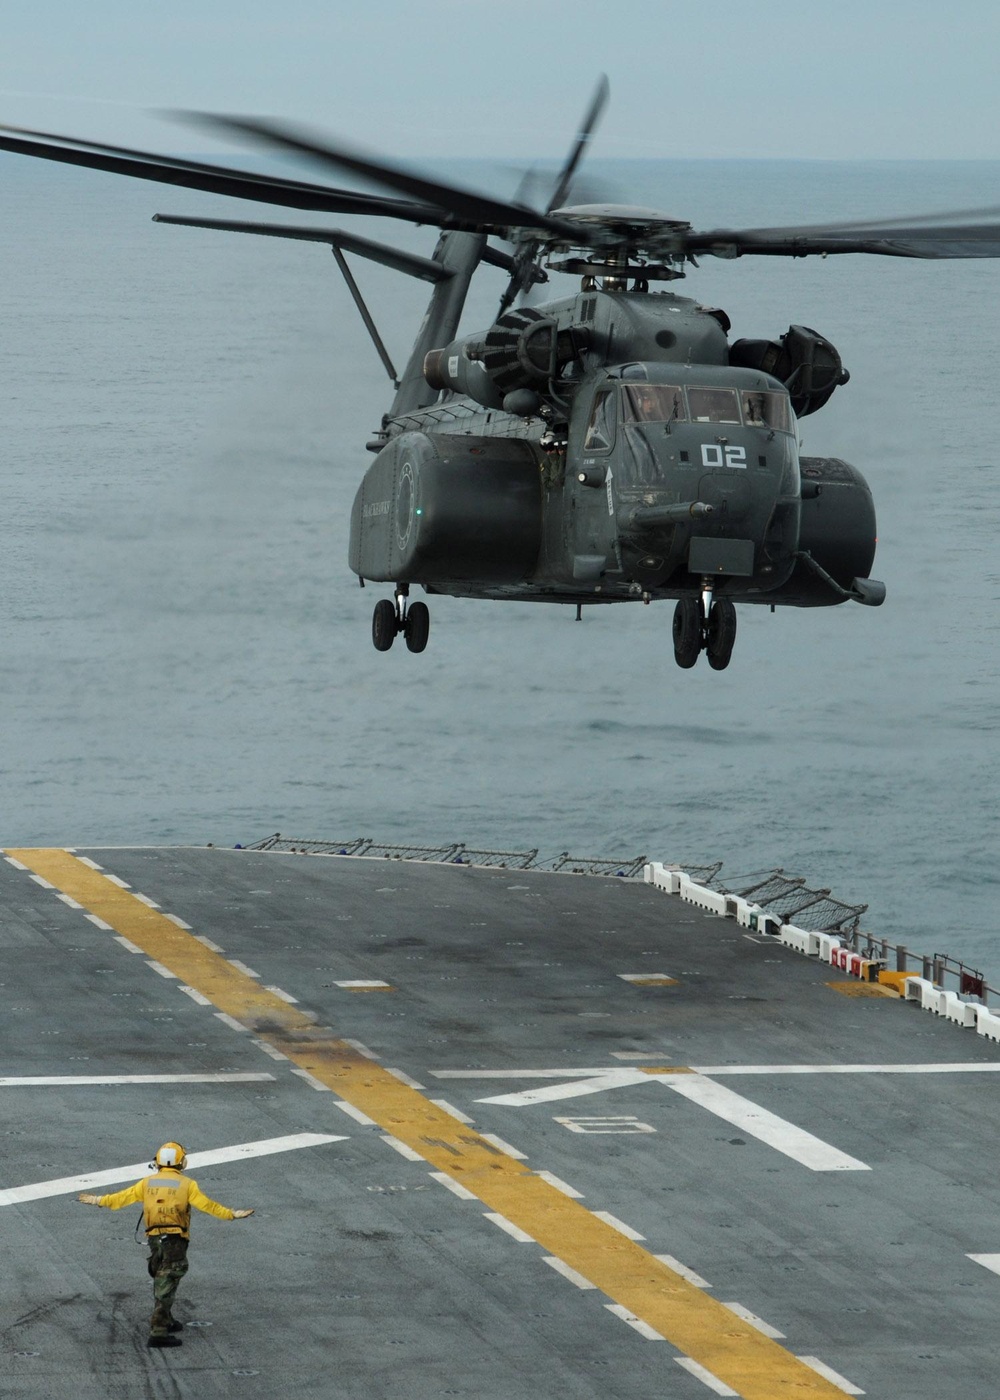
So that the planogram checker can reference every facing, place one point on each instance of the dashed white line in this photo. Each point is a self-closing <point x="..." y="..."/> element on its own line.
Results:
<point x="564" y="1269"/>
<point x="643" y="1328"/>
<point x="85" y="860"/>
<point x="41" y="880"/>
<point x="355" y="1113"/>
<point x="69" y="901"/>
<point x="561" y="1185"/>
<point x="618" y="1225"/>
<point x="683" y="1270"/>
<point x="363" y="984"/>
<point x="163" y="971"/>
<point x="403" y="1148"/>
<point x="404" y="1078"/>
<point x="242" y="967"/>
<point x="508" y="1227"/>
<point x="194" y="994"/>
<point x="312" y="1080"/>
<point x="18" y="865"/>
<point x="285" y="996"/>
<point x="361" y="1049"/>
<point x="41" y="1081"/>
<point x="454" y="1112"/>
<point x="455" y="1187"/>
<point x="829" y="1374"/>
<point x="269" y="1050"/>
<point x="98" y="923"/>
<point x="754" y="1320"/>
<point x="175" y="920"/>
<point x="116" y="880"/>
<point x="695" y="1368"/>
<point x="145" y="899"/>
<point x="205" y="942"/>
<point x="120" y="938"/>
<point x="505" y="1147"/>
<point x="229" y="1021"/>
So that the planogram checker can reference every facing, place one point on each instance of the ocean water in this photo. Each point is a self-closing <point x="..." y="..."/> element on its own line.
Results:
<point x="185" y="657"/>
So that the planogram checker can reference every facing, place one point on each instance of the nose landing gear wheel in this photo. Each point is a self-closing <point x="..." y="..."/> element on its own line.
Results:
<point x="720" y="634"/>
<point x="384" y="625"/>
<point x="687" y="632"/>
<point x="417" y="626"/>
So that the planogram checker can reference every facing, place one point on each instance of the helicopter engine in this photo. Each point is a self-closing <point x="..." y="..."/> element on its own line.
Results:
<point x="806" y="362"/>
<point x="435" y="508"/>
<point x="523" y="350"/>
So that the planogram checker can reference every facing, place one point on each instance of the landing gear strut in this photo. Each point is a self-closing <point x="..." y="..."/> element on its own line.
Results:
<point x="412" y="619"/>
<point x="704" y="625"/>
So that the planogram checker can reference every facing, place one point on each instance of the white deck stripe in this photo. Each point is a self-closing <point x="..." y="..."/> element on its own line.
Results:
<point x="988" y="1261"/>
<point x="131" y="947"/>
<point x="145" y="899"/>
<point x="643" y="1328"/>
<point x="618" y="1225"/>
<point x="355" y="1113"/>
<point x="450" y="1109"/>
<point x="175" y="920"/>
<point x="705" y="1376"/>
<point x="561" y="1185"/>
<point x="68" y="1185"/>
<point x="69" y="1080"/>
<point x="163" y="971"/>
<point x="683" y="1270"/>
<point x="616" y="1078"/>
<point x="758" y="1122"/>
<point x="98" y="923"/>
<point x="455" y="1187"/>
<point x="229" y="1021"/>
<point x="564" y="1269"/>
<point x="68" y="900"/>
<point x="242" y="967"/>
<point x="403" y="1148"/>
<point x="41" y="880"/>
<point x="503" y="1146"/>
<point x="829" y="1374"/>
<point x="312" y="1081"/>
<point x="404" y="1078"/>
<point x="195" y="995"/>
<point x="942" y="1067"/>
<point x="508" y="1227"/>
<point x="754" y="1320"/>
<point x="15" y="863"/>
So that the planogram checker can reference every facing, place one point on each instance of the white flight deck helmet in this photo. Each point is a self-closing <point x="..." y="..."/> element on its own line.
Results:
<point x="171" y="1154"/>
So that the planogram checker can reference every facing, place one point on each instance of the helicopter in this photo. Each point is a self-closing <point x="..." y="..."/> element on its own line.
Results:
<point x="612" y="445"/>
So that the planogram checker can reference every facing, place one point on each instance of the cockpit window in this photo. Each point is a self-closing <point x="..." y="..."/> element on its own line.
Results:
<point x="763" y="410"/>
<point x="713" y="405"/>
<point x="601" y="431"/>
<point x="654" y="403"/>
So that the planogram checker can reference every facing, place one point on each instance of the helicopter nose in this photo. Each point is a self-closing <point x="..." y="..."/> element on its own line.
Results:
<point x="727" y="491"/>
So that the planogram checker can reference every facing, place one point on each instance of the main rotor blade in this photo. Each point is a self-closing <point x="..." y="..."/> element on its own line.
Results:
<point x="487" y="213"/>
<point x="919" y="241"/>
<point x="589" y="125"/>
<point x="215" y="179"/>
<point x="424" y="268"/>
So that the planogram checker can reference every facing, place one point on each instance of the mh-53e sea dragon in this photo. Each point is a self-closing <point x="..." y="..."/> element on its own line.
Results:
<point x="610" y="446"/>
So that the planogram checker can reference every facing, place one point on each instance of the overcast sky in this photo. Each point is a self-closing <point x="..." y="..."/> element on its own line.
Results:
<point x="779" y="78"/>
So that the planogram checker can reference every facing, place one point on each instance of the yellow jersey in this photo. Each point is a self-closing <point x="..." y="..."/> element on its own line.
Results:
<point x="167" y="1199"/>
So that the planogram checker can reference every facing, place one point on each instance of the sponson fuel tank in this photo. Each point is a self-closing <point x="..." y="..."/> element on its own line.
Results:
<point x="444" y="509"/>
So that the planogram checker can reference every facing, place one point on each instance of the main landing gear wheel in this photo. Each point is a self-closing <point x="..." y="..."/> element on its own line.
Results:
<point x="384" y="624"/>
<point x="720" y="634"/>
<point x="416" y="626"/>
<point x="687" y="632"/>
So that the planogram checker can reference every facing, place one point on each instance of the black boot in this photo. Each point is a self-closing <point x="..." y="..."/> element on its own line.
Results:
<point x="173" y="1326"/>
<point x="159" y="1340"/>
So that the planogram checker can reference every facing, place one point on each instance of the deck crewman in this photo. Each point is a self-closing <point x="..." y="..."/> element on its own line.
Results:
<point x="167" y="1198"/>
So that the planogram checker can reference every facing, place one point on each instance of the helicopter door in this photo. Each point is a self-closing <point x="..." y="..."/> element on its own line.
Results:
<point x="592" y="532"/>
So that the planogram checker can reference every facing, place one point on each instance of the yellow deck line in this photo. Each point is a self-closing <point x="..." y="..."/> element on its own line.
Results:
<point x="753" y="1365"/>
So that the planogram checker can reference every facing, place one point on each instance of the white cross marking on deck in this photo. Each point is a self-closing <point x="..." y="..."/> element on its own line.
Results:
<point x="69" y="1185"/>
<point x="750" y="1118"/>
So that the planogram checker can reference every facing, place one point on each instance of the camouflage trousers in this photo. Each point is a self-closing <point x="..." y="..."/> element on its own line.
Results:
<point x="167" y="1265"/>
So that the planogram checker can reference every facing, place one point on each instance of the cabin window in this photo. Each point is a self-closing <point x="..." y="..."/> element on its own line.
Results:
<point x="713" y="405"/>
<point x="601" y="430"/>
<point x="654" y="403"/>
<point x="764" y="410"/>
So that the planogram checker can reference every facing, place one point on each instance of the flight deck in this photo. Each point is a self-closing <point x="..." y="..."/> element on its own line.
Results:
<point x="506" y="1133"/>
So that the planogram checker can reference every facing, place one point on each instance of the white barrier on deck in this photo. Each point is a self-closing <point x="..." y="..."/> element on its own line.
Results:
<point x="700" y="895"/>
<point x="987" y="1022"/>
<point x="800" y="939"/>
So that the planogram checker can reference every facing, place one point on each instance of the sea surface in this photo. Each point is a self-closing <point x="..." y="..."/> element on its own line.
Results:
<point x="185" y="657"/>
